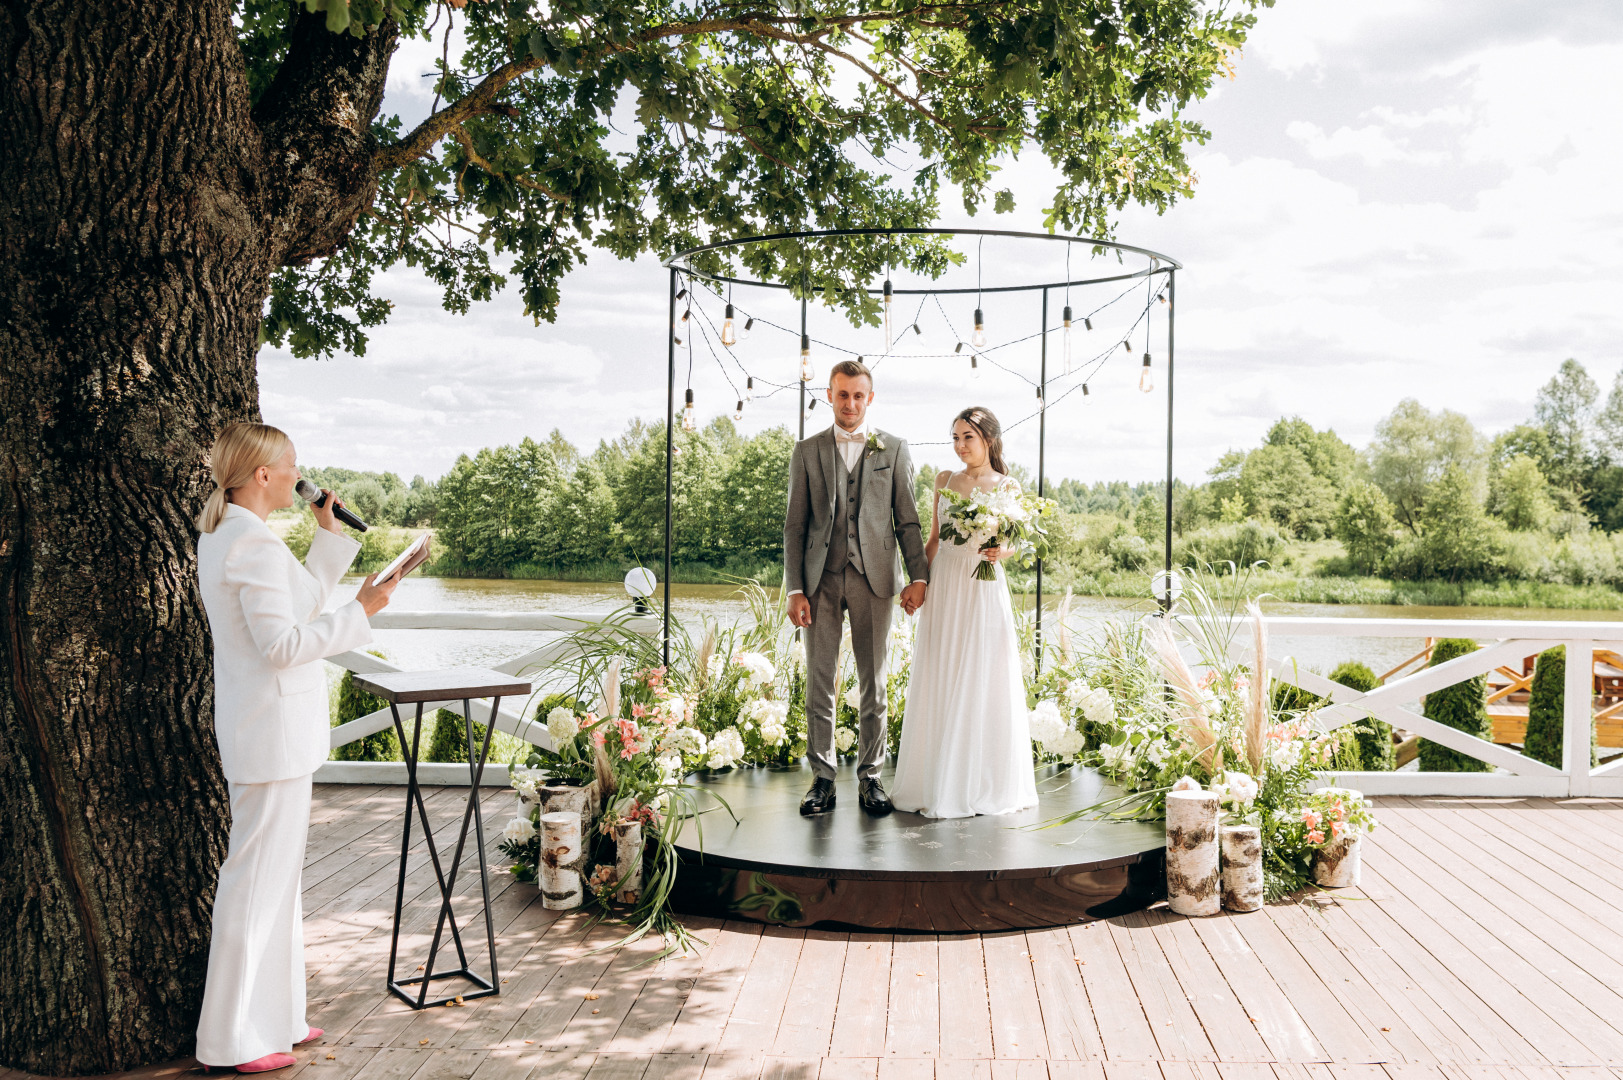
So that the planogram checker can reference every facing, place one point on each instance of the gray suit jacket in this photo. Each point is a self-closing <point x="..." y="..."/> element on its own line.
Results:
<point x="889" y="518"/>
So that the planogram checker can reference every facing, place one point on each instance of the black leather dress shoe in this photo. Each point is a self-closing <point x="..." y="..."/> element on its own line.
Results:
<point x="871" y="794"/>
<point x="820" y="799"/>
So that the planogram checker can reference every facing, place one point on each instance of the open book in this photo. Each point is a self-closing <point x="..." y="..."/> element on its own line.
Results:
<point x="415" y="555"/>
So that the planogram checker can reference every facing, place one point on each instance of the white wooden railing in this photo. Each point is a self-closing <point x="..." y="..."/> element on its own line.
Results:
<point x="510" y="718"/>
<point x="1504" y="642"/>
<point x="1395" y="702"/>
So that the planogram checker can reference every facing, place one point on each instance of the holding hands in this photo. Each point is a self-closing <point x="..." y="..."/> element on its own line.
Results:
<point x="913" y="597"/>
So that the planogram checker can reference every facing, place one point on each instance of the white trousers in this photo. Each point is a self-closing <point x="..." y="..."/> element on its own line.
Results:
<point x="253" y="1002"/>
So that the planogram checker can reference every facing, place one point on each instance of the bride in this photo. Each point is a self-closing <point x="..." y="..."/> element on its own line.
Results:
<point x="966" y="745"/>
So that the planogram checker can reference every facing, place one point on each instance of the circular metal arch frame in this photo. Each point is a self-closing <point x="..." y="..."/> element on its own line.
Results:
<point x="680" y="264"/>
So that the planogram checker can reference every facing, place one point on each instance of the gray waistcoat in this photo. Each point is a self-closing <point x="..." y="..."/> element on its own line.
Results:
<point x="845" y="543"/>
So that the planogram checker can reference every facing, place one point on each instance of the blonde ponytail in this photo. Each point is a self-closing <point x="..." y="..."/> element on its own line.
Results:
<point x="241" y="449"/>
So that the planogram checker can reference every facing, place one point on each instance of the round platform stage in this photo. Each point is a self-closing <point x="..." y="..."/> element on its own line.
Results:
<point x="906" y="872"/>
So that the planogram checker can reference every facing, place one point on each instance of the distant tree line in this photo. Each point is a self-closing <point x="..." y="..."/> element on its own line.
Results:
<point x="1429" y="498"/>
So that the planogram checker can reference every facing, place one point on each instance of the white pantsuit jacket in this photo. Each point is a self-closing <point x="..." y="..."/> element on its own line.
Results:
<point x="270" y="635"/>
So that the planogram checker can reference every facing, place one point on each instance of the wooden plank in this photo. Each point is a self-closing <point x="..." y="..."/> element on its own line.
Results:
<point x="1011" y="991"/>
<point x="1233" y="1036"/>
<point x="594" y="1024"/>
<point x="1412" y="903"/>
<point x="575" y="975"/>
<point x="1341" y="1034"/>
<point x="1537" y="836"/>
<point x="514" y="1064"/>
<point x="325" y="1063"/>
<point x="699" y="1026"/>
<point x="680" y="1067"/>
<point x="901" y="1068"/>
<point x="394" y="1063"/>
<point x="451" y="1065"/>
<point x="849" y="1068"/>
<point x="758" y="1012"/>
<point x="1178" y="1032"/>
<point x="913" y="1024"/>
<point x="1069" y="1023"/>
<point x="663" y="994"/>
<point x="1132" y="1070"/>
<point x="1078" y="1070"/>
<point x="618" y="1067"/>
<point x="859" y="1016"/>
<point x="733" y="1066"/>
<point x="1019" y="1069"/>
<point x="949" y="1068"/>
<point x="808" y="1014"/>
<point x="1124" y="1029"/>
<point x="966" y="1018"/>
<point x="790" y="1068"/>
<point x="1522" y="961"/>
<point x="1268" y="1008"/>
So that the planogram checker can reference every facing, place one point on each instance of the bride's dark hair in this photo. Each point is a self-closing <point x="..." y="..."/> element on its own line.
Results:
<point x="991" y="433"/>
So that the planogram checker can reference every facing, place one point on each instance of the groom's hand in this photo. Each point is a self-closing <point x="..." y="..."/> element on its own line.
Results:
<point x="799" y="610"/>
<point x="913" y="597"/>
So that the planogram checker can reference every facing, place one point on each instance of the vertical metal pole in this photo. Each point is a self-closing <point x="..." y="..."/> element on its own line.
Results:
<point x="1042" y="444"/>
<point x="803" y="295"/>
<point x="1172" y="310"/>
<point x="670" y="458"/>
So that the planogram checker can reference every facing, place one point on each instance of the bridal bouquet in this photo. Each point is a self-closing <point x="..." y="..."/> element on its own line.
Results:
<point x="988" y="520"/>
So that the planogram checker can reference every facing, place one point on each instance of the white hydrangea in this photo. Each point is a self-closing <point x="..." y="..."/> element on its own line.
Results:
<point x="1118" y="757"/>
<point x="1237" y="789"/>
<point x="687" y="741"/>
<point x="670" y="767"/>
<point x="519" y="830"/>
<point x="844" y="739"/>
<point x="758" y="670"/>
<point x="1046" y="723"/>
<point x="1068" y="744"/>
<point x="726" y="747"/>
<point x="1186" y="783"/>
<point x="773" y="718"/>
<point x="1097" y="706"/>
<point x="715" y="666"/>
<point x="562" y="725"/>
<point x="853" y="698"/>
<point x="525" y="780"/>
<point x="901" y="640"/>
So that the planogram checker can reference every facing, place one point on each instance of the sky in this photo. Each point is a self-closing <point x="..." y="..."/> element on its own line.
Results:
<point x="1399" y="199"/>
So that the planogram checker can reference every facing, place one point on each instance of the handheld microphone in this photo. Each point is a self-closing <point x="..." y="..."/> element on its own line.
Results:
<point x="316" y="497"/>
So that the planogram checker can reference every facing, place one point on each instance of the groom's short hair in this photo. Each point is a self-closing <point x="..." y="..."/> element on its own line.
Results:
<point x="851" y="369"/>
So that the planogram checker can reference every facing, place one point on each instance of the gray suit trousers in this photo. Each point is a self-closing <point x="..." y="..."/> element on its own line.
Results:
<point x="838" y="592"/>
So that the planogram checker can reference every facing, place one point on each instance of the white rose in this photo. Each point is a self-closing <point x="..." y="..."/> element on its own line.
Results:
<point x="1186" y="783"/>
<point x="519" y="830"/>
<point x="561" y="725"/>
<point x="1241" y="789"/>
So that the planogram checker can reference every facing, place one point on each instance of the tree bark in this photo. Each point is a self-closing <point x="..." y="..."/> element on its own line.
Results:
<point x="143" y="207"/>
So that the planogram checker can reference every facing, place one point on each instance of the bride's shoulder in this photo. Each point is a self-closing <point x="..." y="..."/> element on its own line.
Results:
<point x="942" y="477"/>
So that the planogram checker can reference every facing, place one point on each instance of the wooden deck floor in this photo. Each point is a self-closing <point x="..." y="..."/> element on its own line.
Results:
<point x="1487" y="941"/>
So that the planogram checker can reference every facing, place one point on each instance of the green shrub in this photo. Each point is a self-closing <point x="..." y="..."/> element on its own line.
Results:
<point x="1546" y="707"/>
<point x="354" y="703"/>
<point x="1242" y="543"/>
<point x="1290" y="698"/>
<point x="448" y="741"/>
<point x="1462" y="706"/>
<point x="1372" y="737"/>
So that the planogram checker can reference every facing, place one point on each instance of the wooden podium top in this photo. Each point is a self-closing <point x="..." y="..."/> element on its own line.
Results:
<point x="446" y="684"/>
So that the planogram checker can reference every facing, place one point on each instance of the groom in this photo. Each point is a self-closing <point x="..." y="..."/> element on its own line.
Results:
<point x="850" y="507"/>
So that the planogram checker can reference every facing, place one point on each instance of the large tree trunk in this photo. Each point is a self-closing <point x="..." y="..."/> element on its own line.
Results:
<point x="142" y="211"/>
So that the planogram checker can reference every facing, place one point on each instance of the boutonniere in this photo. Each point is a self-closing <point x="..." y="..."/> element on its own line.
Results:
<point x="875" y="444"/>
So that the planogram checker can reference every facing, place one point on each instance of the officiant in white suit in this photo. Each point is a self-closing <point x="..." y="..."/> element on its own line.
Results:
<point x="271" y="721"/>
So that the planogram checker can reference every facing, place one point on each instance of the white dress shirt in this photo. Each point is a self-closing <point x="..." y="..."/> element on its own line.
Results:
<point x="850" y="444"/>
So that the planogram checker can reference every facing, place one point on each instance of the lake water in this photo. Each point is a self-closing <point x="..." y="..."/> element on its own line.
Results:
<point x="690" y="603"/>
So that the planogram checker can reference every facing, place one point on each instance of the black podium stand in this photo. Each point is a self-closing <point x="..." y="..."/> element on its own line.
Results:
<point x="420" y="687"/>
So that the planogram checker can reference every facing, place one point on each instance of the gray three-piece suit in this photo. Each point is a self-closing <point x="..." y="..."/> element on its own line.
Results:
<point x="840" y="541"/>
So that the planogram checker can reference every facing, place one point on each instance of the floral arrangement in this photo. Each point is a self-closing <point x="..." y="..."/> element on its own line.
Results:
<point x="1003" y="517"/>
<point x="1133" y="708"/>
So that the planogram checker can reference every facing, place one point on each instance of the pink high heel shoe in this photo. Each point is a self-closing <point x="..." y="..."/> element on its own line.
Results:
<point x="315" y="1033"/>
<point x="268" y="1063"/>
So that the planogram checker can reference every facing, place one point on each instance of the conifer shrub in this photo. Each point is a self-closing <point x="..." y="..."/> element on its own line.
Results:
<point x="1373" y="737"/>
<point x="354" y="703"/>
<point x="1462" y="706"/>
<point x="1546" y="707"/>
<point x="448" y="741"/>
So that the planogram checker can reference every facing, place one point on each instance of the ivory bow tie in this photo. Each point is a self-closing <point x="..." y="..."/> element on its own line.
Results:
<point x="851" y="436"/>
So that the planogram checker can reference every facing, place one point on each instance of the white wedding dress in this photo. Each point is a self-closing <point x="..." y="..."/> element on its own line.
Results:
<point x="966" y="742"/>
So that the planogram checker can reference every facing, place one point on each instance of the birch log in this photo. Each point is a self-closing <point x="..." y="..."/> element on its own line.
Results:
<point x="1242" y="867"/>
<point x="1193" y="882"/>
<point x="628" y="862"/>
<point x="1339" y="865"/>
<point x="560" y="855"/>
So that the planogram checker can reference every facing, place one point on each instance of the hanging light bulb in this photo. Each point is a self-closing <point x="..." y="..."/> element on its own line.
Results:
<point x="1087" y="322"/>
<point x="688" y="422"/>
<point x="749" y="324"/>
<point x="749" y="388"/>
<point x="685" y="313"/>
<point x="974" y="366"/>
<point x="1146" y="378"/>
<point x="978" y="339"/>
<point x="889" y="337"/>
<point x="1162" y="297"/>
<point x="738" y="410"/>
<point x="1084" y="391"/>
<point x="728" y="336"/>
<point x="683" y="293"/>
<point x="916" y="329"/>
<point x="1065" y="340"/>
<point x="678" y="338"/>
<point x="958" y="348"/>
<point x="805" y="358"/>
<point x="1126" y="347"/>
